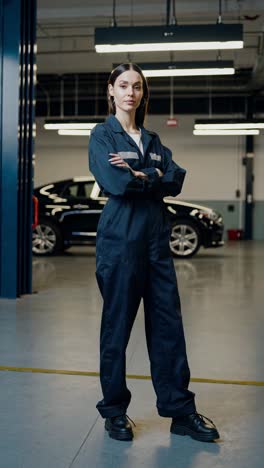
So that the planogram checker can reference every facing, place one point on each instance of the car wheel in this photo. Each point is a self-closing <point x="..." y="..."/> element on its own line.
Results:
<point x="185" y="239"/>
<point x="46" y="239"/>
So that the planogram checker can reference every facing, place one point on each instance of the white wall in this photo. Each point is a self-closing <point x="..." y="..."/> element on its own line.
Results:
<point x="214" y="169"/>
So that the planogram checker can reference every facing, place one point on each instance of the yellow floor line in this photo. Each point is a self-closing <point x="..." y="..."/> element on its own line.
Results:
<point x="129" y="376"/>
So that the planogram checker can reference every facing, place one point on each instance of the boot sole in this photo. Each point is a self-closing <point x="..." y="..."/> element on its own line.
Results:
<point x="119" y="436"/>
<point x="181" y="430"/>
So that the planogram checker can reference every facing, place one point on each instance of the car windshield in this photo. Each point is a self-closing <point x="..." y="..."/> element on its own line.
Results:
<point x="78" y="189"/>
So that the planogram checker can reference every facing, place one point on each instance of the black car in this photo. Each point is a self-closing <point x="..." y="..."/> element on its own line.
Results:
<point x="69" y="212"/>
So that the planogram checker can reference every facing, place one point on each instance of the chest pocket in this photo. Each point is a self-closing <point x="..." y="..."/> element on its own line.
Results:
<point x="128" y="154"/>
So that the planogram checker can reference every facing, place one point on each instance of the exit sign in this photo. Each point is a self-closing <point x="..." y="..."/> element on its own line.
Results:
<point x="172" y="122"/>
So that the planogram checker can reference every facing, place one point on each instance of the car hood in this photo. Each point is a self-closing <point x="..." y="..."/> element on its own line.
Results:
<point x="172" y="201"/>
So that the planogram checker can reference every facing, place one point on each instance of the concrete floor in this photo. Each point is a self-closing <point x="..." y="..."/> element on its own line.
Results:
<point x="50" y="420"/>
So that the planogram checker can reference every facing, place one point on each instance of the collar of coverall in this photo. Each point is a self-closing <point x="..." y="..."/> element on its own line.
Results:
<point x="117" y="127"/>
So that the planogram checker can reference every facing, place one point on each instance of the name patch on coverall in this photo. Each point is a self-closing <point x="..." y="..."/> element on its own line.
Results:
<point x="128" y="155"/>
<point x="155" y="157"/>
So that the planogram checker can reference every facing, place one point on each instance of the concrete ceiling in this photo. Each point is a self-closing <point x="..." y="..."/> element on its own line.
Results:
<point x="65" y="32"/>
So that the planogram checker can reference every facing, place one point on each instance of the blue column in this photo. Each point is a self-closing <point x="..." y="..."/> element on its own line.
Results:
<point x="249" y="166"/>
<point x="17" y="39"/>
<point x="9" y="95"/>
<point x="249" y="201"/>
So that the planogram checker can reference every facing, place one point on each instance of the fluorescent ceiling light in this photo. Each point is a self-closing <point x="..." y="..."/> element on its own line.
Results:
<point x="225" y="132"/>
<point x="72" y="124"/>
<point x="167" y="38"/>
<point x="190" y="72"/>
<point x="228" y="124"/>
<point x="74" y="132"/>
<point x="166" y="47"/>
<point x="62" y="126"/>
<point x="160" y="69"/>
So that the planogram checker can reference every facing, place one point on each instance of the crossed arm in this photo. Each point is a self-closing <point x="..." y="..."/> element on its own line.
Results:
<point x="105" y="164"/>
<point x="116" y="160"/>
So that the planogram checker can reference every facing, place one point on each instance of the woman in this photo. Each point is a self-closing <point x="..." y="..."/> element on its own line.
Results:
<point x="133" y="260"/>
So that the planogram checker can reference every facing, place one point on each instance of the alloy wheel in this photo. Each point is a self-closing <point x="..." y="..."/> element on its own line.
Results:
<point x="43" y="240"/>
<point x="184" y="240"/>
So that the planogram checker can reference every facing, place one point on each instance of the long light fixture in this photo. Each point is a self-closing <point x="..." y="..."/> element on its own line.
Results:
<point x="70" y="132"/>
<point x="166" y="38"/>
<point x="226" y="132"/>
<point x="72" y="124"/>
<point x="160" y="69"/>
<point x="219" y="124"/>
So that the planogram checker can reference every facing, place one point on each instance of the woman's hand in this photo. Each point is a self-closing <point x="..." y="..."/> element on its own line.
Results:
<point x="159" y="172"/>
<point x="140" y="175"/>
<point x="116" y="160"/>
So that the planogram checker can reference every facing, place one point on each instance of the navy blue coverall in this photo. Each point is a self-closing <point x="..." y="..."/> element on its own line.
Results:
<point x="134" y="261"/>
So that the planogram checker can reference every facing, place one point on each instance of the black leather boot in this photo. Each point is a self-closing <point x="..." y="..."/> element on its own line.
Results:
<point x="119" y="428"/>
<point x="196" y="426"/>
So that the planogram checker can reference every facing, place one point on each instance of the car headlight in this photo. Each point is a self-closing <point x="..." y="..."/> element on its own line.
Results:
<point x="213" y="216"/>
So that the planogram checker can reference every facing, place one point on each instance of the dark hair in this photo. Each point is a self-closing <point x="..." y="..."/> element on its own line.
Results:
<point x="142" y="108"/>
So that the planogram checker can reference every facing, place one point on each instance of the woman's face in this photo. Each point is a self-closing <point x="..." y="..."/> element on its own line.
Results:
<point x="127" y="91"/>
